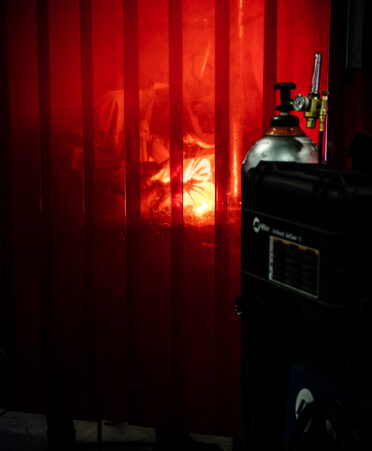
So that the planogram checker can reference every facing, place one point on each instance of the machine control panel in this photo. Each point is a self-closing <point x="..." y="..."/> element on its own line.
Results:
<point x="293" y="265"/>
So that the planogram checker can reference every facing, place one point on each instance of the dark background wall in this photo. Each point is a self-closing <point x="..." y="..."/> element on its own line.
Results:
<point x="350" y="77"/>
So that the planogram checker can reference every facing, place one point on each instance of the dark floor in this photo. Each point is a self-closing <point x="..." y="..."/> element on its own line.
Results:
<point x="27" y="432"/>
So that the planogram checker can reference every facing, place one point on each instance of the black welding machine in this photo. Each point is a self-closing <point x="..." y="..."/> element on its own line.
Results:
<point x="306" y="288"/>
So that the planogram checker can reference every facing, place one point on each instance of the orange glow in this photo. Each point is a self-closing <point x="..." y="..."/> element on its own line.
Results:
<point x="202" y="208"/>
<point x="198" y="185"/>
<point x="199" y="189"/>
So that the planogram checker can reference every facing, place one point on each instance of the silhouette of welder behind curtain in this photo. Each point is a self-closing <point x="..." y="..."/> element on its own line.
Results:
<point x="198" y="167"/>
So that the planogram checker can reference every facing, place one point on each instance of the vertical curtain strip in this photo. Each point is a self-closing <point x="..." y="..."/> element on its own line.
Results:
<point x="42" y="18"/>
<point x="6" y="198"/>
<point x="222" y="155"/>
<point x="176" y="172"/>
<point x="88" y="144"/>
<point x="269" y="63"/>
<point x="132" y="195"/>
<point x="25" y="320"/>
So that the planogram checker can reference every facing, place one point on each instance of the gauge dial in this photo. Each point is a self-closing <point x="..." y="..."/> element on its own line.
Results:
<point x="301" y="103"/>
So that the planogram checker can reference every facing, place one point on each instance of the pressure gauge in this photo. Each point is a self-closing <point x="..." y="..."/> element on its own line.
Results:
<point x="301" y="103"/>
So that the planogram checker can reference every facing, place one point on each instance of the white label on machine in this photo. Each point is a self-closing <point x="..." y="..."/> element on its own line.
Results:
<point x="294" y="265"/>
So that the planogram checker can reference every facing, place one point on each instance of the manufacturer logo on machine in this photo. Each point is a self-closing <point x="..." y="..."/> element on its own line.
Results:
<point x="258" y="225"/>
<point x="304" y="397"/>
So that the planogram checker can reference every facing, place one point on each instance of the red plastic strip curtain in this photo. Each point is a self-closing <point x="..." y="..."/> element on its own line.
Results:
<point x="222" y="200"/>
<point x="47" y="228"/>
<point x="124" y="126"/>
<point x="5" y="211"/>
<point x="175" y="68"/>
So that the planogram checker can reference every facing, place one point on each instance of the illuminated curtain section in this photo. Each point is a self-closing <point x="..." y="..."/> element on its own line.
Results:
<point x="125" y="124"/>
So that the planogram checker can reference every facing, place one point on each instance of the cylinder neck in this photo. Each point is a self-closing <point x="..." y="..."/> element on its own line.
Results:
<point x="285" y="131"/>
<point x="285" y="120"/>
